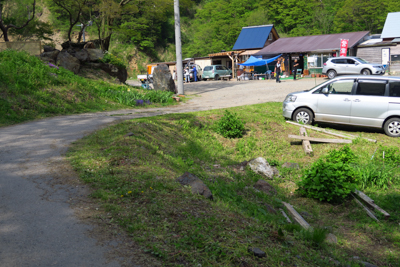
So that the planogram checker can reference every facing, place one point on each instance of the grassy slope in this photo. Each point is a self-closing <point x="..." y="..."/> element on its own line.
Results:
<point x="134" y="179"/>
<point x="29" y="89"/>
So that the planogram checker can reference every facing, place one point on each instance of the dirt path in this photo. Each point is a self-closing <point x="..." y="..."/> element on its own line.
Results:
<point x="42" y="203"/>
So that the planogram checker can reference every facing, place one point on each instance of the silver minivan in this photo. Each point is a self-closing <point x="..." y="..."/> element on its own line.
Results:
<point x="354" y="100"/>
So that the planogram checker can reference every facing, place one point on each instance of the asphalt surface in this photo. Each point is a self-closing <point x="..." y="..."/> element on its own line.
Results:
<point x="38" y="226"/>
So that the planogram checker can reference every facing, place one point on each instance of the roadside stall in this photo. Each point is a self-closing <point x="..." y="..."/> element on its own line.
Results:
<point x="257" y="61"/>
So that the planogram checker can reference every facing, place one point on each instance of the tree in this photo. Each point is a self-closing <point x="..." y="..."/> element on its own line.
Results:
<point x="73" y="9"/>
<point x="7" y="20"/>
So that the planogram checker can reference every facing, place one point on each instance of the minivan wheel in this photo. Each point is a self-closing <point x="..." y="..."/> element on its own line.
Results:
<point x="303" y="115"/>
<point x="331" y="74"/>
<point x="366" y="72"/>
<point x="392" y="127"/>
<point x="216" y="77"/>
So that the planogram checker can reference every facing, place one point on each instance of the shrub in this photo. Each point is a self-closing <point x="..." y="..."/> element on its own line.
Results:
<point x="112" y="59"/>
<point x="230" y="126"/>
<point x="331" y="178"/>
<point x="376" y="175"/>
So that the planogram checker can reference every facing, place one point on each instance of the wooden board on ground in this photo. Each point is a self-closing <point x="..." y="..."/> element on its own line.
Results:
<point x="306" y="144"/>
<point x="321" y="140"/>
<point x="284" y="215"/>
<point x="349" y="136"/>
<point x="370" y="202"/>
<point x="296" y="216"/>
<point x="370" y="213"/>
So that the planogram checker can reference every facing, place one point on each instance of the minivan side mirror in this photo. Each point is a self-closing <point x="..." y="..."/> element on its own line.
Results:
<point x="324" y="90"/>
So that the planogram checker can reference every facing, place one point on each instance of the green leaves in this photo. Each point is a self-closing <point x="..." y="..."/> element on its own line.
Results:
<point x="331" y="178"/>
<point x="229" y="126"/>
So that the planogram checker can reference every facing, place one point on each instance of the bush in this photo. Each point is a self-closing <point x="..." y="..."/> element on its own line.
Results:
<point x="112" y="59"/>
<point x="331" y="178"/>
<point x="229" y="126"/>
<point x="375" y="175"/>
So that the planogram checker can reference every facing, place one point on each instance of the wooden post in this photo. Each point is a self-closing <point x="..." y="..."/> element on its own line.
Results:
<point x="370" y="202"/>
<point x="306" y="144"/>
<point x="284" y="215"/>
<point x="296" y="216"/>
<point x="321" y="140"/>
<point x="370" y="213"/>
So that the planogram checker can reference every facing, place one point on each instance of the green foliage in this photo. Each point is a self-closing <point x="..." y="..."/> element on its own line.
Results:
<point x="315" y="236"/>
<point x="112" y="59"/>
<point x="331" y="178"/>
<point x="376" y="175"/>
<point x="32" y="89"/>
<point x="230" y="126"/>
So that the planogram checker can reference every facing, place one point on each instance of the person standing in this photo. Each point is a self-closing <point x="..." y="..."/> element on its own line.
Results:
<point x="187" y="75"/>
<point x="278" y="69"/>
<point x="295" y="66"/>
<point x="195" y="73"/>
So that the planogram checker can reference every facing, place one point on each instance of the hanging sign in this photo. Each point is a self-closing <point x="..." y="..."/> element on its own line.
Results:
<point x="343" y="47"/>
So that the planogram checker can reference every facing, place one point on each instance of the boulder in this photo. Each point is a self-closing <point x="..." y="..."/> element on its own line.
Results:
<point x="89" y="45"/>
<point x="66" y="45"/>
<point x="95" y="55"/>
<point x="197" y="185"/>
<point x="162" y="79"/>
<point x="65" y="60"/>
<point x="47" y="48"/>
<point x="115" y="71"/>
<point x="331" y="238"/>
<point x="82" y="55"/>
<point x="261" y="166"/>
<point x="52" y="55"/>
<point x="265" y="187"/>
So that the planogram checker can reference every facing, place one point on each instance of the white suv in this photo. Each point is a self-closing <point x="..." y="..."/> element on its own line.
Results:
<point x="351" y="65"/>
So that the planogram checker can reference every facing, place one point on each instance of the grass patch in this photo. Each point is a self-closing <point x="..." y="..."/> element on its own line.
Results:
<point x="134" y="180"/>
<point x="30" y="89"/>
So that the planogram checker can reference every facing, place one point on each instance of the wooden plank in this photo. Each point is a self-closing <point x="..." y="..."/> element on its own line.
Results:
<point x="370" y="202"/>
<point x="349" y="136"/>
<point x="306" y="144"/>
<point x="321" y="140"/>
<point x="284" y="215"/>
<point x="370" y="213"/>
<point x="296" y="216"/>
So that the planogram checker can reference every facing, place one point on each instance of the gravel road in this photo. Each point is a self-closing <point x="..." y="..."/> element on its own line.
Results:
<point x="39" y="223"/>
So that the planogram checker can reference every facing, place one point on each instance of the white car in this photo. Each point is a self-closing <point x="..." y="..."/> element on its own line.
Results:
<point x="350" y="65"/>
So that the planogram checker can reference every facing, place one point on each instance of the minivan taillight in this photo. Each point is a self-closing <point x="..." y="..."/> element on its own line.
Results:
<point x="213" y="71"/>
<point x="324" y="64"/>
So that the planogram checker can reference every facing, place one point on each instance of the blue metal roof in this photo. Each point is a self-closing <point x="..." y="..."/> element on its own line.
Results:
<point x="252" y="37"/>
<point x="391" y="28"/>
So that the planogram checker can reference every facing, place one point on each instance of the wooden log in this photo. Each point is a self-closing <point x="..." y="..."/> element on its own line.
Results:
<point x="284" y="215"/>
<point x="370" y="202"/>
<point x="349" y="136"/>
<point x="370" y="213"/>
<point x="321" y="140"/>
<point x="296" y="216"/>
<point x="306" y="144"/>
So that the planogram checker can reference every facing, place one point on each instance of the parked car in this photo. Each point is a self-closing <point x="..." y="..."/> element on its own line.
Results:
<point x="351" y="65"/>
<point x="354" y="100"/>
<point x="216" y="72"/>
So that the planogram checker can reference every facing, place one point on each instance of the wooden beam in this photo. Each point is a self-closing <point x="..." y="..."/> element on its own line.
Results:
<point x="370" y="213"/>
<point x="306" y="144"/>
<point x="370" y="202"/>
<point x="349" y="136"/>
<point x="320" y="140"/>
<point x="284" y="215"/>
<point x="296" y="216"/>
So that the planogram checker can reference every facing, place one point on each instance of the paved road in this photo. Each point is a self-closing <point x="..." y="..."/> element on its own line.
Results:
<point x="38" y="226"/>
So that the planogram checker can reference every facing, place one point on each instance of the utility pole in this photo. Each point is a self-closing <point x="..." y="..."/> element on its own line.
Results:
<point x="178" y="45"/>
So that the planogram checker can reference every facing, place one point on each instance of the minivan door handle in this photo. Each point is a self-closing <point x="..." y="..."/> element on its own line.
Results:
<point x="346" y="99"/>
<point x="357" y="100"/>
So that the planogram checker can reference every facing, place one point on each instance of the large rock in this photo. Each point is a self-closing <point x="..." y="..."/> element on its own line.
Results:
<point x="261" y="166"/>
<point x="51" y="55"/>
<point x="95" y="55"/>
<point x="197" y="185"/>
<point x="265" y="187"/>
<point x="47" y="48"/>
<point x="115" y="71"/>
<point x="257" y="252"/>
<point x="82" y="55"/>
<point x="162" y="79"/>
<point x="65" y="60"/>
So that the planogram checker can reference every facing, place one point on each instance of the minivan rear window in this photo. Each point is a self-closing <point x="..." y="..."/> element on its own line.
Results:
<point x="208" y="68"/>
<point x="394" y="89"/>
<point x="371" y="87"/>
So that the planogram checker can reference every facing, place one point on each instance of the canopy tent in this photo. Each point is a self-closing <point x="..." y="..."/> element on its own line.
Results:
<point x="253" y="61"/>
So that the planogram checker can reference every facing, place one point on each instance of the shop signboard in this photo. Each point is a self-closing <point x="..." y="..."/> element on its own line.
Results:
<point x="343" y="47"/>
